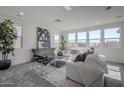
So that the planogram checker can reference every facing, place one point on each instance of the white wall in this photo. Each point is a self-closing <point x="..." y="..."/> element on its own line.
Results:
<point x="112" y="54"/>
<point x="23" y="54"/>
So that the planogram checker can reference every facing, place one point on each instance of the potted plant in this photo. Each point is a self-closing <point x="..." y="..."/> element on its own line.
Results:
<point x="63" y="45"/>
<point x="7" y="37"/>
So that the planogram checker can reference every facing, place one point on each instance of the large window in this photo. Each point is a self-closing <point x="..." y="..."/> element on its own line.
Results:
<point x="112" y="37"/>
<point x="109" y="37"/>
<point x="81" y="39"/>
<point x="56" y="40"/>
<point x="72" y="39"/>
<point x="18" y="41"/>
<point x="94" y="38"/>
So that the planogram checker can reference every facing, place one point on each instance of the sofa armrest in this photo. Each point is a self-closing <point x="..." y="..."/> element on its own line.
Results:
<point x="72" y="72"/>
<point x="84" y="73"/>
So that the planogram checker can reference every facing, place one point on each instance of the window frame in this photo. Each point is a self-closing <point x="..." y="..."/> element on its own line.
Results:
<point x="101" y="39"/>
<point x="72" y="40"/>
<point x="95" y="38"/>
<point x="56" y="44"/>
<point x="73" y="44"/>
<point x="21" y="37"/>
<point x="119" y="43"/>
<point x="56" y="40"/>
<point x="82" y="39"/>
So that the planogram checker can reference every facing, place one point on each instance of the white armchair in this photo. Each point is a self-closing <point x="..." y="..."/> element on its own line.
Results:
<point x="89" y="73"/>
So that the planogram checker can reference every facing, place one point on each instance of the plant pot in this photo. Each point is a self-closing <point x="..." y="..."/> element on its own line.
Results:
<point x="5" y="64"/>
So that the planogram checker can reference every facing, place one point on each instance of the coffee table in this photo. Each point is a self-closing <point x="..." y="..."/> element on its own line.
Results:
<point x="59" y="61"/>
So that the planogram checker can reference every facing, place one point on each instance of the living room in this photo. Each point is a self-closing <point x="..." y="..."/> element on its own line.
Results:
<point x="65" y="32"/>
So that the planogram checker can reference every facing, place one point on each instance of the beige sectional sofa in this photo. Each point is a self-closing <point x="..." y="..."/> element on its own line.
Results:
<point x="89" y="73"/>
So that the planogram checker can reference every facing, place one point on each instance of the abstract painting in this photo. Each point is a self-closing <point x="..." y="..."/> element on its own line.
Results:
<point x="43" y="38"/>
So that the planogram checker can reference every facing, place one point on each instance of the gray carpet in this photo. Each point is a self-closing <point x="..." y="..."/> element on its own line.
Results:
<point x="23" y="76"/>
<point x="115" y="77"/>
<point x="109" y="82"/>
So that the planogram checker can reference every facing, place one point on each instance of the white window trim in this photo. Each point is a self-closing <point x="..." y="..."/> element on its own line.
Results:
<point x="102" y="37"/>
<point x="58" y="41"/>
<point x="120" y="39"/>
<point x="81" y="39"/>
<point x="16" y="25"/>
<point x="95" y="38"/>
<point x="72" y="40"/>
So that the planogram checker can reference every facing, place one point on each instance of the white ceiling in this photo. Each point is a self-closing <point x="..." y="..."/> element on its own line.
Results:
<point x="77" y="17"/>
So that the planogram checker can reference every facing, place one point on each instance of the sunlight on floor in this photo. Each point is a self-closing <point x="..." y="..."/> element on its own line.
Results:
<point x="113" y="72"/>
<point x="114" y="68"/>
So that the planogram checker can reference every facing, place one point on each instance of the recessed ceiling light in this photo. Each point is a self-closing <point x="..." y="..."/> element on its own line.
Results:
<point x="57" y="20"/>
<point x="20" y="14"/>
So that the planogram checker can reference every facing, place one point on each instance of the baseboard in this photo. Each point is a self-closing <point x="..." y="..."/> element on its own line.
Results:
<point x="21" y="63"/>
